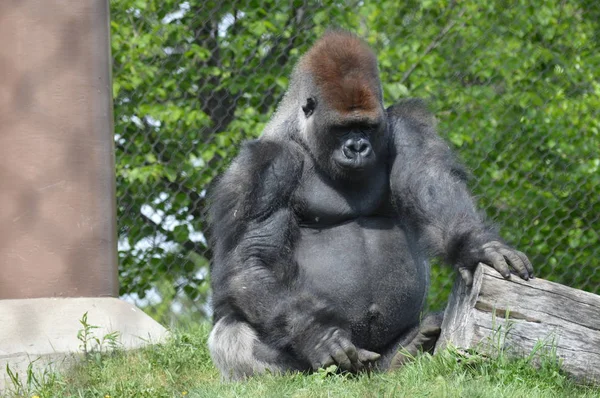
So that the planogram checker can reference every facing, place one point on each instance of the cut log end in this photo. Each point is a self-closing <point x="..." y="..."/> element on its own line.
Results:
<point x="524" y="317"/>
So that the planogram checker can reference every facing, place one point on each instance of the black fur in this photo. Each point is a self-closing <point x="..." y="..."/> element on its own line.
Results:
<point x="324" y="257"/>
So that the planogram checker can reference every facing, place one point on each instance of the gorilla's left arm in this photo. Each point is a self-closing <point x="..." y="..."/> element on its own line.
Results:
<point x="429" y="190"/>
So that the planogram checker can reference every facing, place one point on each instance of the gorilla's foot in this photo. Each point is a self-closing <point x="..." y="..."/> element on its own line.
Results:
<point x="424" y="340"/>
<point x="238" y="353"/>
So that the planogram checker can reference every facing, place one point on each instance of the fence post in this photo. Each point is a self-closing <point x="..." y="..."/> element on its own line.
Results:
<point x="57" y="179"/>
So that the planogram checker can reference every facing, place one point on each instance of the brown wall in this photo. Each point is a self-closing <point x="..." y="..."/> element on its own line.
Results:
<point x="57" y="192"/>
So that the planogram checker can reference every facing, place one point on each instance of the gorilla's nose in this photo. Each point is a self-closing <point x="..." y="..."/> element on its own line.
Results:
<point x="354" y="147"/>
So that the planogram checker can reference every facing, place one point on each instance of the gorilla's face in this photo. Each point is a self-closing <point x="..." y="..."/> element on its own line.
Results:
<point x="346" y="146"/>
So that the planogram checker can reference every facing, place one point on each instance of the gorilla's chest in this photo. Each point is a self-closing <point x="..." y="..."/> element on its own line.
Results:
<point x="353" y="251"/>
<point x="320" y="202"/>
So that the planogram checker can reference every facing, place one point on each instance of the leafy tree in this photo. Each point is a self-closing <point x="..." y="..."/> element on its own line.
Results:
<point x="514" y="85"/>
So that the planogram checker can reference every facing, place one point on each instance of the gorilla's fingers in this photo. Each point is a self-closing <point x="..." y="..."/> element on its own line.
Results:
<point x="526" y="261"/>
<point x="498" y="262"/>
<point x="466" y="275"/>
<point x="350" y="350"/>
<point x="340" y="358"/>
<point x="324" y="361"/>
<point x="516" y="262"/>
<point x="367" y="356"/>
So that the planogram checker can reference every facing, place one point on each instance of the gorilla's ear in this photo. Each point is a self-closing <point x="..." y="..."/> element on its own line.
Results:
<point x="310" y="106"/>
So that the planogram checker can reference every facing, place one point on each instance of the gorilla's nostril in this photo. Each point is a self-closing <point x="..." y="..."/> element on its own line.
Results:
<point x="366" y="152"/>
<point x="349" y="152"/>
<point x="364" y="148"/>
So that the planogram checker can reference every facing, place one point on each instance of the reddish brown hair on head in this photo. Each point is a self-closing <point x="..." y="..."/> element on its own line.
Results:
<point x="345" y="70"/>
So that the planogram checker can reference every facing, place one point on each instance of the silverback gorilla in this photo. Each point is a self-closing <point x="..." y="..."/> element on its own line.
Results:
<point x="322" y="228"/>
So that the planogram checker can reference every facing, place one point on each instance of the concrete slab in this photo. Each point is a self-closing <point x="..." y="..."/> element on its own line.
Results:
<point x="45" y="330"/>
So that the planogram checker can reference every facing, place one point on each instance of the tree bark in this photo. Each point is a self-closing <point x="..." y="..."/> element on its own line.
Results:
<point x="518" y="316"/>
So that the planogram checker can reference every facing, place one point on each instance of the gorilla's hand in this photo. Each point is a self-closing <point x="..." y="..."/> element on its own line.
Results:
<point x="498" y="255"/>
<point x="333" y="347"/>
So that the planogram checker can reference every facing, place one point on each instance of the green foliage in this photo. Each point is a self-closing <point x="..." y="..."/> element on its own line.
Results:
<point x="19" y="386"/>
<point x="92" y="346"/>
<point x="514" y="85"/>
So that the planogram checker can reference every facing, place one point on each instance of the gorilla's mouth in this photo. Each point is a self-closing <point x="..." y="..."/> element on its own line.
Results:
<point x="356" y="162"/>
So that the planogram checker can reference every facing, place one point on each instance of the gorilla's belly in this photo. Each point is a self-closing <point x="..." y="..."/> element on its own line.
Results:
<point x="367" y="268"/>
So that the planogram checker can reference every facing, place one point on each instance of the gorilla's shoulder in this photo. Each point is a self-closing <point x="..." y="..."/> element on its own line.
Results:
<point x="262" y="165"/>
<point x="261" y="178"/>
<point x="414" y="110"/>
<point x="262" y="153"/>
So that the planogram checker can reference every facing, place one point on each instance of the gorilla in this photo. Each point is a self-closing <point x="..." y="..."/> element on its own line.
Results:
<point x="322" y="228"/>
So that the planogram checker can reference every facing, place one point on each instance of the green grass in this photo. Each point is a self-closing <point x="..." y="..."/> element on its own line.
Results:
<point x="182" y="367"/>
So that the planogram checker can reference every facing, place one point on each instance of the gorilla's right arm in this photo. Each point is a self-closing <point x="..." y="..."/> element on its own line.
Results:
<point x="254" y="275"/>
<point x="430" y="191"/>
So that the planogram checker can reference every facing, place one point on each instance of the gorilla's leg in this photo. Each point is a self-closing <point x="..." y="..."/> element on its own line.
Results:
<point x="421" y="338"/>
<point x="238" y="353"/>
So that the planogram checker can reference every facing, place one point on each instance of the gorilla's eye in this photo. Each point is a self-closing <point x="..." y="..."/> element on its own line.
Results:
<point x="310" y="106"/>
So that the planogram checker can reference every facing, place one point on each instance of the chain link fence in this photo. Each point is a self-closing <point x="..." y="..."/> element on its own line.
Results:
<point x="515" y="86"/>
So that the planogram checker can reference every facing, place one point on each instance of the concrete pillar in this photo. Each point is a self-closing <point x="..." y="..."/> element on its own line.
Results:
<point x="58" y="245"/>
<point x="57" y="190"/>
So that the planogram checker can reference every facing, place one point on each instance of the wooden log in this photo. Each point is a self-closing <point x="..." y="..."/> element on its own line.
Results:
<point x="517" y="316"/>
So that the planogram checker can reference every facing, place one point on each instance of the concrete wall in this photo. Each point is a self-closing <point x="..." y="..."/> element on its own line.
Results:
<point x="57" y="189"/>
